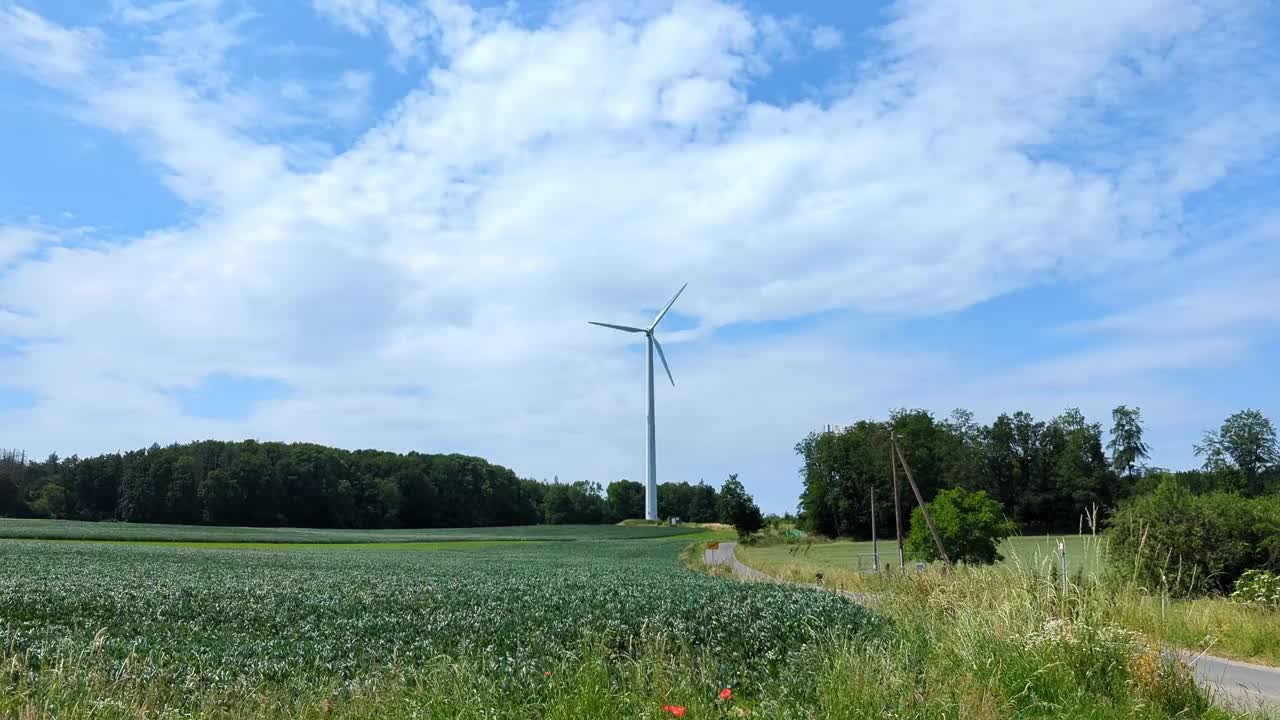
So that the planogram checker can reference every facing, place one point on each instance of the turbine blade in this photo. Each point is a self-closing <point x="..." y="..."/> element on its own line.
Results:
<point x="664" y="360"/>
<point x="668" y="307"/>
<point x="623" y="328"/>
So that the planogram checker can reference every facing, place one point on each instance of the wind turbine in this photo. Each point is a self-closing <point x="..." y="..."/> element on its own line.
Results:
<point x="651" y="487"/>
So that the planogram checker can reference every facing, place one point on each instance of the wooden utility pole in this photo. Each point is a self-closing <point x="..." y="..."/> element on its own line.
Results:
<point x="924" y="509"/>
<point x="897" y="509"/>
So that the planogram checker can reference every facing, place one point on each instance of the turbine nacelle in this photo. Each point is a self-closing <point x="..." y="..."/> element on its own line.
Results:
<point x="648" y="332"/>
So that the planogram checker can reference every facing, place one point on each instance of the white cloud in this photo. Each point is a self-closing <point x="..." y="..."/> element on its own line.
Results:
<point x="544" y="176"/>
<point x="15" y="242"/>
<point x="38" y="46"/>
<point x="405" y="24"/>
<point x="825" y="37"/>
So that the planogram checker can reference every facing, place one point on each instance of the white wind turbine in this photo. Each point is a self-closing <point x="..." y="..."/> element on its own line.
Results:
<point x="651" y="487"/>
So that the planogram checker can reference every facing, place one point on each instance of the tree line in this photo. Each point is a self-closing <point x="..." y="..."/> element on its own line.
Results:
<point x="1047" y="474"/>
<point x="305" y="485"/>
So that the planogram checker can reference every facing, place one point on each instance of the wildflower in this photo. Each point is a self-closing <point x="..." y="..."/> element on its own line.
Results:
<point x="725" y="694"/>
<point x="674" y="710"/>
<point x="547" y="673"/>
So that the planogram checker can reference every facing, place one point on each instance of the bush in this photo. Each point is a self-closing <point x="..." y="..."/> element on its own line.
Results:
<point x="1174" y="539"/>
<point x="971" y="524"/>
<point x="1258" y="587"/>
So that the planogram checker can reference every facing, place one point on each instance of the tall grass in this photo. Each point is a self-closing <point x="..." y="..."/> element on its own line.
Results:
<point x="940" y="662"/>
<point x="1210" y="623"/>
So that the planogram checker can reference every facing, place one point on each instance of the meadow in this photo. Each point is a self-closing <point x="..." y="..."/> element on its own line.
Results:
<point x="595" y="625"/>
<point x="857" y="556"/>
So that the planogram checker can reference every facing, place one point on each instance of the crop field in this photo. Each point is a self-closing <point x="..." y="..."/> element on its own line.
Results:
<point x="601" y="624"/>
<point x="144" y="532"/>
<point x="217" y="620"/>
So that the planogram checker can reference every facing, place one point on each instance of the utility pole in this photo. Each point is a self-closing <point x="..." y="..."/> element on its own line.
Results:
<point x="924" y="509"/>
<point x="897" y="508"/>
<point x="875" y="545"/>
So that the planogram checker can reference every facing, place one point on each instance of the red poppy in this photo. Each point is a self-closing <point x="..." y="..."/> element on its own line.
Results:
<point x="725" y="694"/>
<point x="675" y="710"/>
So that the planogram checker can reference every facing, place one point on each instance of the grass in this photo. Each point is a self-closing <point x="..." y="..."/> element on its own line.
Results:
<point x="595" y="628"/>
<point x="856" y="557"/>
<point x="1213" y="624"/>
<point x="78" y="530"/>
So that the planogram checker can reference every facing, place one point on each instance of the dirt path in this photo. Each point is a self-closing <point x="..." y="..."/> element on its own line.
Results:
<point x="726" y="555"/>
<point x="1243" y="685"/>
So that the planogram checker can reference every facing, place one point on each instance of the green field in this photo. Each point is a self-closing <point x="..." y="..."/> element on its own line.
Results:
<point x="164" y="620"/>
<point x="1082" y="553"/>
<point x="606" y="623"/>
<point x="77" y="530"/>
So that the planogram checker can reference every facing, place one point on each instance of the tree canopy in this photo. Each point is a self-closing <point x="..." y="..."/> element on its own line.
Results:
<point x="738" y="509"/>
<point x="1048" y="475"/>
<point x="971" y="526"/>
<point x="304" y="485"/>
<point x="1243" y="450"/>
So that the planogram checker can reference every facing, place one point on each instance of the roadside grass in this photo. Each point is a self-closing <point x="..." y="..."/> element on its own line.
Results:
<point x="694" y="557"/>
<point x="933" y="668"/>
<point x="801" y="568"/>
<point x="1083" y="553"/>
<point x="1212" y="624"/>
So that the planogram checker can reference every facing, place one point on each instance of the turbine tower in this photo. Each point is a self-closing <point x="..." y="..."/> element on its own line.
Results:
<point x="651" y="487"/>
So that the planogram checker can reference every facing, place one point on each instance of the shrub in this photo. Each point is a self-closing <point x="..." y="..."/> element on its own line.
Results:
<point x="1258" y="587"/>
<point x="971" y="524"/>
<point x="1173" y="539"/>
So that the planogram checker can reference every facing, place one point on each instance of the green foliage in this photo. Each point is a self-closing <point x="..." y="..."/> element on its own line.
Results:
<point x="555" y="630"/>
<point x="237" y="620"/>
<point x="1243" y="451"/>
<point x="1127" y="447"/>
<point x="971" y="526"/>
<point x="1046" y="474"/>
<point x="1258" y="587"/>
<point x="738" y="509"/>
<point x="690" y="503"/>
<point x="276" y="484"/>
<point x="1172" y="539"/>
<point x="304" y="485"/>
<point x="49" y="500"/>
<point x="625" y="500"/>
<point x="579" y="503"/>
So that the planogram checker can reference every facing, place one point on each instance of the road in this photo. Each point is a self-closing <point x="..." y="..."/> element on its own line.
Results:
<point x="1243" y="685"/>
<point x="726" y="555"/>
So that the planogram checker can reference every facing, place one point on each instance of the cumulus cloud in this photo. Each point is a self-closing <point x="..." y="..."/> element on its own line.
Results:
<point x="542" y="175"/>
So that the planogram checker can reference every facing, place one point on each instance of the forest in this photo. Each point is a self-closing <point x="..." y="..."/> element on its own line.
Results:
<point x="1048" y="474"/>
<point x="268" y="484"/>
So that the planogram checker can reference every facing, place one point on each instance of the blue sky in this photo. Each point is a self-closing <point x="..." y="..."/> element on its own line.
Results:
<point x="384" y="224"/>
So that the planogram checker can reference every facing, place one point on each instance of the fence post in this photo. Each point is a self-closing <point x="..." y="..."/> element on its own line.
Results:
<point x="1062" y="557"/>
